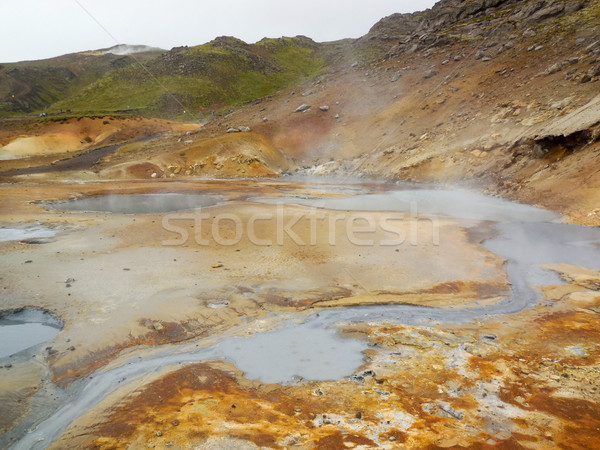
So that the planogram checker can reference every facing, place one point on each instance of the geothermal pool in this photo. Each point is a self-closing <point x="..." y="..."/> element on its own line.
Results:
<point x="139" y="203"/>
<point x="24" y="329"/>
<point x="309" y="346"/>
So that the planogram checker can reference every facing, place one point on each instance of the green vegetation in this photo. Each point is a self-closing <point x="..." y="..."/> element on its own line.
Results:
<point x="222" y="73"/>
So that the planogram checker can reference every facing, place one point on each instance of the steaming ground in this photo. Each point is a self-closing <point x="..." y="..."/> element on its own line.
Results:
<point x="478" y="329"/>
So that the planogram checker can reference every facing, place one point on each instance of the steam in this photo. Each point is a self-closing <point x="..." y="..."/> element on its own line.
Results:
<point x="126" y="49"/>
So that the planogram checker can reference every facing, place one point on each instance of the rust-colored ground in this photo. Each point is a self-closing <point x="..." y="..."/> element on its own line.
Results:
<point x="421" y="388"/>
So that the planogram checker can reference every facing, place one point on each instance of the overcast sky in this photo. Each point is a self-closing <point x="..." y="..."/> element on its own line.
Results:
<point x="36" y="29"/>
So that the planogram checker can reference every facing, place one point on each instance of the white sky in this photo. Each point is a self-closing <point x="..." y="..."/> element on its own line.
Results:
<point x="36" y="29"/>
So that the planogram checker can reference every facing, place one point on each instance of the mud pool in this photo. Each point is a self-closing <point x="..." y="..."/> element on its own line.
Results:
<point x="16" y="234"/>
<point x="139" y="203"/>
<point x="24" y="329"/>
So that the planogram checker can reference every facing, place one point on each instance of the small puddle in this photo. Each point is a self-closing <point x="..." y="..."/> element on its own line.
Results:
<point x="20" y="330"/>
<point x="19" y="234"/>
<point x="139" y="203"/>
<point x="294" y="353"/>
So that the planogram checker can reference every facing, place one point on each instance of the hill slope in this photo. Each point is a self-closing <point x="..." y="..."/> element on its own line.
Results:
<point x="35" y="85"/>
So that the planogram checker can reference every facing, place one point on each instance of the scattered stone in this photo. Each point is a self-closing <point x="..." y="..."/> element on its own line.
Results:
<point x="217" y="266"/>
<point x="573" y="61"/>
<point x="265" y="119"/>
<point x="594" y="72"/>
<point x="188" y="142"/>
<point x="429" y="74"/>
<point x="451" y="412"/>
<point x="529" y="33"/>
<point x="537" y="48"/>
<point x="303" y="107"/>
<point x="548" y="12"/>
<point x="354" y="64"/>
<point x="457" y="58"/>
<point x="479" y="54"/>
<point x="244" y="129"/>
<point x="71" y="348"/>
<point x="486" y="59"/>
<point x="307" y="93"/>
<point x="554" y="68"/>
<point x="444" y="62"/>
<point x="29" y="261"/>
<point x="70" y="280"/>
<point x="175" y="422"/>
<point x="590" y="48"/>
<point x="324" y="108"/>
<point x="154" y="175"/>
<point x="159" y="433"/>
<point x="337" y="116"/>
<point x="585" y="78"/>
<point x="360" y="377"/>
<point x="232" y="130"/>
<point x="489" y="337"/>
<point x="396" y="76"/>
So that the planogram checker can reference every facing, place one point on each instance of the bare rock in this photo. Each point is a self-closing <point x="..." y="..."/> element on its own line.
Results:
<point x="303" y="107"/>
<point x="554" y="68"/>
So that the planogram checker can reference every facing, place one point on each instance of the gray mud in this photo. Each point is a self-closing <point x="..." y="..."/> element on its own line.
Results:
<point x="139" y="203"/>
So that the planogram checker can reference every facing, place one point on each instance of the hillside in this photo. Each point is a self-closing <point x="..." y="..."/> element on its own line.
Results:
<point x="226" y="71"/>
<point x="497" y="95"/>
<point x="31" y="86"/>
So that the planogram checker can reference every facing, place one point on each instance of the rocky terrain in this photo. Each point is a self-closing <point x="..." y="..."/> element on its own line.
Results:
<point x="488" y="96"/>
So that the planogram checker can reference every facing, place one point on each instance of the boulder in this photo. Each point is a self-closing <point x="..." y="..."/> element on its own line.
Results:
<point x="549" y="12"/>
<point x="303" y="107"/>
<point x="554" y="68"/>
